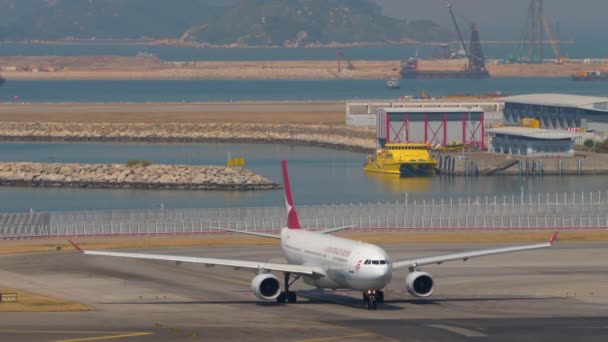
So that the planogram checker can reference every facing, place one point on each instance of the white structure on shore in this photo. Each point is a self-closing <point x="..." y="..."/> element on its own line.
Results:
<point x="531" y="142"/>
<point x="559" y="111"/>
<point x="362" y="113"/>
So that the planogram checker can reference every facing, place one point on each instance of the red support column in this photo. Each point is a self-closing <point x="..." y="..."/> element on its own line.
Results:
<point x="426" y="128"/>
<point x="464" y="128"/>
<point x="388" y="125"/>
<point x="407" y="128"/>
<point x="483" y="131"/>
<point x="445" y="128"/>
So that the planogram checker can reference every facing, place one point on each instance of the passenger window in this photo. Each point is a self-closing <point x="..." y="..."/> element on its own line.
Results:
<point x="376" y="262"/>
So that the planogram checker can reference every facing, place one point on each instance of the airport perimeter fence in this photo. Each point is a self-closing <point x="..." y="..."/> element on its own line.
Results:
<point x="560" y="211"/>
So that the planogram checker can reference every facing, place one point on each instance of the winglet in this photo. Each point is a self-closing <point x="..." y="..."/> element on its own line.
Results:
<point x="75" y="246"/>
<point x="553" y="238"/>
<point x="292" y="216"/>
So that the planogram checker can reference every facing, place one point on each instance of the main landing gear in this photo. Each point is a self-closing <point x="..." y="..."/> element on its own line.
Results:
<point x="371" y="297"/>
<point x="288" y="296"/>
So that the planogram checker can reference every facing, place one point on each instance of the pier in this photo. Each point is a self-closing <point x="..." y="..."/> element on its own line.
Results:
<point x="495" y="164"/>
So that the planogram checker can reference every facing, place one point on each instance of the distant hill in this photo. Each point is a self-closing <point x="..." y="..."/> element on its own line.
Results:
<point x="241" y="22"/>
<point x="109" y="19"/>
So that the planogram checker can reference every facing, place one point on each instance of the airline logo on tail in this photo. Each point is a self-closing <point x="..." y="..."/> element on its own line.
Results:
<point x="292" y="216"/>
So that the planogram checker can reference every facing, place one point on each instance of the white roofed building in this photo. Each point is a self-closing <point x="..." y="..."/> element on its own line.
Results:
<point x="532" y="142"/>
<point x="559" y="111"/>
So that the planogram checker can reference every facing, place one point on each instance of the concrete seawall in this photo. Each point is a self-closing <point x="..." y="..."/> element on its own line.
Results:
<point x="337" y="137"/>
<point x="171" y="177"/>
<point x="493" y="164"/>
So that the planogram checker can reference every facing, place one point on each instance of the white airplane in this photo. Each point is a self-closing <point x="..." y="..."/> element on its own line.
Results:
<point x="328" y="262"/>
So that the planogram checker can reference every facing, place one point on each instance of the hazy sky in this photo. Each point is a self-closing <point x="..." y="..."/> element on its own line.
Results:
<point x="505" y="18"/>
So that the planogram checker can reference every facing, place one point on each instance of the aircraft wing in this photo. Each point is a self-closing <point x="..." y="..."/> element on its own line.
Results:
<point x="236" y="264"/>
<point x="468" y="255"/>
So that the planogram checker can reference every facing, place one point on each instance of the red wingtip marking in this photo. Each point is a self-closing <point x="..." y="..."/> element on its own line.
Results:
<point x="553" y="238"/>
<point x="292" y="216"/>
<point x="75" y="246"/>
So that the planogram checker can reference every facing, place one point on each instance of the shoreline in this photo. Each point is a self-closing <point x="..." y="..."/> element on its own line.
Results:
<point x="341" y="138"/>
<point x="172" y="42"/>
<point x="152" y="68"/>
<point x="337" y="137"/>
<point x="330" y="113"/>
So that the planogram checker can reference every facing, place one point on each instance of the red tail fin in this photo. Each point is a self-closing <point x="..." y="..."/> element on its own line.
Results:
<point x="292" y="216"/>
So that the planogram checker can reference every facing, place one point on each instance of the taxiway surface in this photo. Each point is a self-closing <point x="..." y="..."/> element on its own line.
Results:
<point x="559" y="293"/>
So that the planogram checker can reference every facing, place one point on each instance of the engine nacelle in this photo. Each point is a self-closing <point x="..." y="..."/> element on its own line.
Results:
<point x="266" y="286"/>
<point x="419" y="284"/>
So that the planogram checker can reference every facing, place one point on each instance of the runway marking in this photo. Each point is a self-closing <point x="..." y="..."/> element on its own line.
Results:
<point x="109" y="337"/>
<point x="263" y="326"/>
<point x="334" y="338"/>
<point x="62" y="332"/>
<point x="458" y="330"/>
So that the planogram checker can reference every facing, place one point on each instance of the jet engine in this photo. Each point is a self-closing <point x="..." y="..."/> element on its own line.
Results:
<point x="419" y="284"/>
<point x="266" y="286"/>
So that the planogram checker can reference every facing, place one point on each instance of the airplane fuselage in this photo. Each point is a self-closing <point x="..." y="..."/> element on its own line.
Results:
<point x="348" y="264"/>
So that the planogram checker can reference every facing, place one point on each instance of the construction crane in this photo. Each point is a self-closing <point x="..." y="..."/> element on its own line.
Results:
<point x="474" y="53"/>
<point x="340" y="56"/>
<point x="554" y="43"/>
<point x="531" y="48"/>
<point x="475" y="68"/>
<point x="464" y="46"/>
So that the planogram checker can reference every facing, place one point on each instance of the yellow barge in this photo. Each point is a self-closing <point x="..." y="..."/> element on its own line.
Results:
<point x="405" y="159"/>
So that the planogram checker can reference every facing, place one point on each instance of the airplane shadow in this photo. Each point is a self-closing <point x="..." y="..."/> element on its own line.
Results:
<point x="391" y="304"/>
<point x="316" y="298"/>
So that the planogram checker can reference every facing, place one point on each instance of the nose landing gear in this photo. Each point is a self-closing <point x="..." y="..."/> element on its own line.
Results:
<point x="371" y="297"/>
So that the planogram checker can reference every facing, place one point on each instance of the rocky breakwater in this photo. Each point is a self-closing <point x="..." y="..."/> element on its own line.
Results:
<point x="339" y="137"/>
<point x="178" y="177"/>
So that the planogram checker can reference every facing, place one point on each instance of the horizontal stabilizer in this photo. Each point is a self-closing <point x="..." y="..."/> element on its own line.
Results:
<point x="267" y="235"/>
<point x="335" y="229"/>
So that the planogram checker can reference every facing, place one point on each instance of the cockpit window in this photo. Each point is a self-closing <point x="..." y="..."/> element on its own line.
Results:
<point x="376" y="262"/>
<point x="367" y="262"/>
<point x="382" y="262"/>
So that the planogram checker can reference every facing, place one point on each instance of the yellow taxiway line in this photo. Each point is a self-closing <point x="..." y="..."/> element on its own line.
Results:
<point x="108" y="337"/>
<point x="333" y="338"/>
